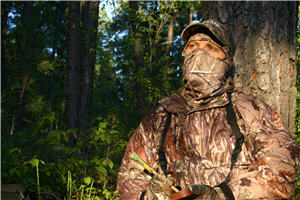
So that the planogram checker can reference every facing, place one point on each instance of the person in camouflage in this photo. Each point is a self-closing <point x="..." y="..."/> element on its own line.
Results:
<point x="217" y="141"/>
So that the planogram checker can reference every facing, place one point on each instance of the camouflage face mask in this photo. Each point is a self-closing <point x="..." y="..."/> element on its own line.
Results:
<point x="203" y="75"/>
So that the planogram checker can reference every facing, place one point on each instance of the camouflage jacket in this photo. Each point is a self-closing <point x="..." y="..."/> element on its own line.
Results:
<point x="198" y="147"/>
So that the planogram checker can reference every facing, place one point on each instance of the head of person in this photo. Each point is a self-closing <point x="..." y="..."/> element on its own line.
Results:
<point x="207" y="59"/>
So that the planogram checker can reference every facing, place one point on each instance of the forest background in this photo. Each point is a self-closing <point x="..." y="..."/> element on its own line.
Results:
<point x="77" y="81"/>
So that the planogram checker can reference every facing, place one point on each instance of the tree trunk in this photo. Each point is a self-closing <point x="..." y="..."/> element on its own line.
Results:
<point x="73" y="65"/>
<point x="138" y="57"/>
<point x="265" y="58"/>
<point x="59" y="46"/>
<point x="168" y="51"/>
<point x="27" y="38"/>
<point x="26" y="60"/>
<point x="170" y="36"/>
<point x="89" y="35"/>
<point x="191" y="14"/>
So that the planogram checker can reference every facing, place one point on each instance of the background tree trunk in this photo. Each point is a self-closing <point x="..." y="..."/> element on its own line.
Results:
<point x="26" y="41"/>
<point x="170" y="36"/>
<point x="191" y="14"/>
<point x="138" y="57"/>
<point x="89" y="35"/>
<point x="168" y="60"/>
<point x="73" y="65"/>
<point x="265" y="58"/>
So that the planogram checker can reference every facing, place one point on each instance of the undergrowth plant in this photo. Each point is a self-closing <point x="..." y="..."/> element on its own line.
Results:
<point x="35" y="163"/>
<point x="87" y="170"/>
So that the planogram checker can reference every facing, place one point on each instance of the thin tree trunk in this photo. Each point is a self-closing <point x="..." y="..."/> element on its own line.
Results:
<point x="27" y="23"/>
<point x="138" y="58"/>
<point x="25" y="59"/>
<point x="89" y="28"/>
<point x="265" y="39"/>
<point x="170" y="36"/>
<point x="73" y="65"/>
<point x="61" y="30"/>
<point x="168" y="50"/>
<point x="191" y="14"/>
<point x="59" y="46"/>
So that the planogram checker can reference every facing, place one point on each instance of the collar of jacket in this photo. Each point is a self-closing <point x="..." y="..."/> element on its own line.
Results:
<point x="219" y="100"/>
<point x="176" y="103"/>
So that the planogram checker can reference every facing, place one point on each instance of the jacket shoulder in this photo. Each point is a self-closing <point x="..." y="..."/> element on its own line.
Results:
<point x="174" y="103"/>
<point x="253" y="111"/>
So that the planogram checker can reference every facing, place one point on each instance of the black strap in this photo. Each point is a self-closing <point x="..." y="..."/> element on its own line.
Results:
<point x="226" y="190"/>
<point x="239" y="138"/>
<point x="142" y="197"/>
<point x="162" y="156"/>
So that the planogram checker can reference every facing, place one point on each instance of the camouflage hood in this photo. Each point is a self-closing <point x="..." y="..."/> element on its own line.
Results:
<point x="204" y="77"/>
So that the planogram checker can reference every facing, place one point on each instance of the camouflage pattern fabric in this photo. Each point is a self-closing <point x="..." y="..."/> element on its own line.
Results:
<point x="205" y="193"/>
<point x="198" y="147"/>
<point x="159" y="187"/>
<point x="204" y="75"/>
<point x="215" y="30"/>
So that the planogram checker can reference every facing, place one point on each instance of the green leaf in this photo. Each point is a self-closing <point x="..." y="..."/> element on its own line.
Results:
<point x="108" y="140"/>
<point x="108" y="162"/>
<point x="102" y="170"/>
<point x="96" y="161"/>
<point x="102" y="137"/>
<point x="87" y="180"/>
<point x="15" y="149"/>
<point x="102" y="125"/>
<point x="114" y="132"/>
<point x="33" y="162"/>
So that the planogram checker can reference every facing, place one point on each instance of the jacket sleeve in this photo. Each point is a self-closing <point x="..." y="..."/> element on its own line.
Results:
<point x="146" y="140"/>
<point x="267" y="165"/>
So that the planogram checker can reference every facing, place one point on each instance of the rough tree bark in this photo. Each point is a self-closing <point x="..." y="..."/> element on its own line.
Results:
<point x="73" y="65"/>
<point x="89" y="35"/>
<point x="265" y="58"/>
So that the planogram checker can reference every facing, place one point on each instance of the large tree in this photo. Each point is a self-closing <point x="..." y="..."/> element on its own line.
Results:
<point x="73" y="65"/>
<point x="90" y="10"/>
<point x="83" y="24"/>
<point x="264" y="35"/>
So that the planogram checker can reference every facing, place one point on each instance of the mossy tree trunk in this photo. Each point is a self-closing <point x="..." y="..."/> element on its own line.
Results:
<point x="264" y="35"/>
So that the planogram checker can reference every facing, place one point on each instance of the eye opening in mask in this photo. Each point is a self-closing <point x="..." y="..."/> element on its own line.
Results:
<point x="194" y="52"/>
<point x="209" y="46"/>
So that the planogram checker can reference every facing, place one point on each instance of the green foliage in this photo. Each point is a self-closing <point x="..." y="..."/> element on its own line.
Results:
<point x="36" y="151"/>
<point x="88" y="170"/>
<point x="35" y="163"/>
<point x="140" y="64"/>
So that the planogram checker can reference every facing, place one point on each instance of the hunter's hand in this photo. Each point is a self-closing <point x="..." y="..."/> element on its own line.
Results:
<point x="159" y="187"/>
<point x="205" y="192"/>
